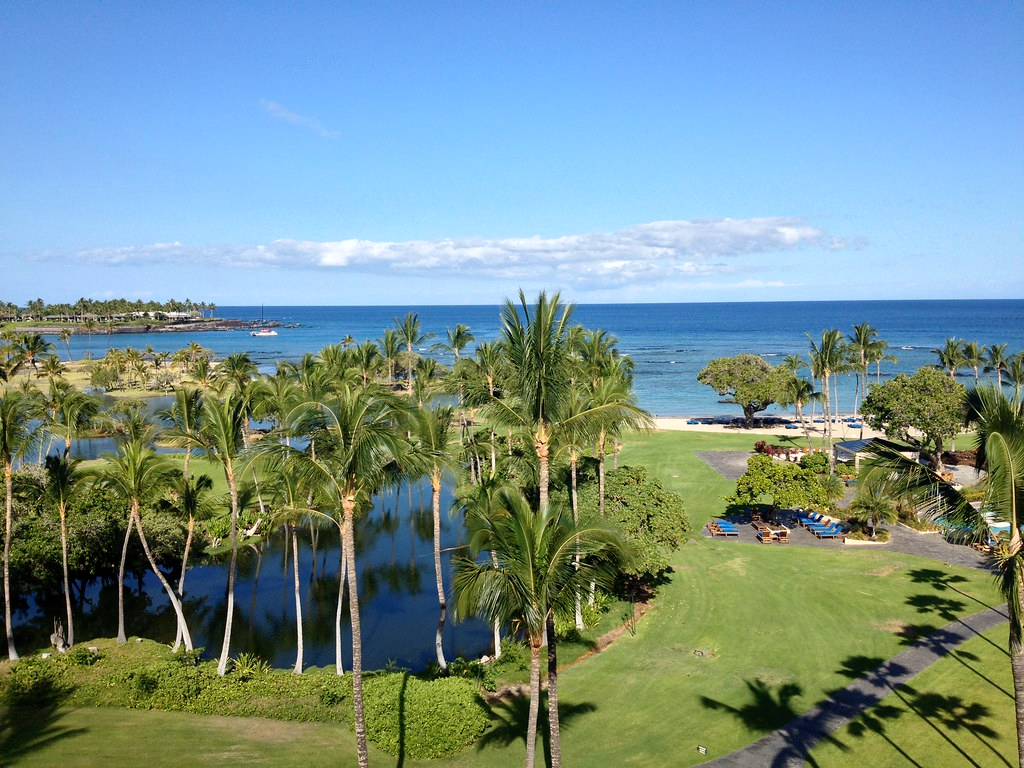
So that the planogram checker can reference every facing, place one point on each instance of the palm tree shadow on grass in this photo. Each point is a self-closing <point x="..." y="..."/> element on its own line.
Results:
<point x="28" y="729"/>
<point x="512" y="715"/>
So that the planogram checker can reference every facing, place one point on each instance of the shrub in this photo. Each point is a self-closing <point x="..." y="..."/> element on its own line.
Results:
<point x="34" y="682"/>
<point x="816" y="461"/>
<point x="423" y="719"/>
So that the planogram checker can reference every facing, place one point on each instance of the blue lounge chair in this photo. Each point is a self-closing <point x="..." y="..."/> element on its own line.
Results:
<point x="765" y="537"/>
<point x="812" y="519"/>
<point x="830" y="533"/>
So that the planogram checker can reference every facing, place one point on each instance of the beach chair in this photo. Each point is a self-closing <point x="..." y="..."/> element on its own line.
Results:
<point x="831" y="532"/>
<point x="782" y="536"/>
<point x="765" y="536"/>
<point x="812" y="519"/>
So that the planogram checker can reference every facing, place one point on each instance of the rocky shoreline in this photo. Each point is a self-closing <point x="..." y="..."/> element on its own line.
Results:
<point x="216" y="324"/>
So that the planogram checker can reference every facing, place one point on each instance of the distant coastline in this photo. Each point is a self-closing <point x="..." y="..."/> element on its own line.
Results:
<point x="208" y="324"/>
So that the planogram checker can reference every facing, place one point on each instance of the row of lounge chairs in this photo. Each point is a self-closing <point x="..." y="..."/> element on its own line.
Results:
<point x="821" y="526"/>
<point x="722" y="528"/>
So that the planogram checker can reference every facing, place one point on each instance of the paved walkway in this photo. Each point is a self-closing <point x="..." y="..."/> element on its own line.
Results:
<point x="790" y="746"/>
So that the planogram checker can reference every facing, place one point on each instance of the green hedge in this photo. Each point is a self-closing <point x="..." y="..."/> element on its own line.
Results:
<point x="423" y="719"/>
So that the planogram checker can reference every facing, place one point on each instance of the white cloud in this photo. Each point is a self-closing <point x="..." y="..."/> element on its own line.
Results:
<point x="664" y="250"/>
<point x="283" y="113"/>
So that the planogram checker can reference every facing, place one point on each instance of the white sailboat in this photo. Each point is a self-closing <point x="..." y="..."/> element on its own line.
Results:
<point x="265" y="330"/>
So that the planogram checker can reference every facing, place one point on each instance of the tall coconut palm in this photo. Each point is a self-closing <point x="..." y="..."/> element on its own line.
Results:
<point x="951" y="355"/>
<point x="435" y="445"/>
<point x="358" y="449"/>
<point x="17" y="410"/>
<point x="187" y="498"/>
<point x="534" y="577"/>
<point x="69" y="413"/>
<point x="999" y="422"/>
<point x="411" y="333"/>
<point x="30" y="347"/>
<point x="366" y="358"/>
<point x="390" y="346"/>
<point x="219" y="438"/>
<point x="860" y="343"/>
<point x="183" y="418"/>
<point x="63" y="482"/>
<point x="1015" y="375"/>
<point x="828" y="358"/>
<point x="797" y="392"/>
<point x="997" y="360"/>
<point x="138" y="475"/>
<point x="974" y="357"/>
<point x="458" y="338"/>
<point x="537" y="375"/>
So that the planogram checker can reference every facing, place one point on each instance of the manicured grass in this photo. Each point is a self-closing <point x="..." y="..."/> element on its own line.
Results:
<point x="740" y="640"/>
<point x="957" y="712"/>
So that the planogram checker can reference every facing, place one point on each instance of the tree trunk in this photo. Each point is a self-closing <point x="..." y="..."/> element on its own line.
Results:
<point x="435" y="484"/>
<point x="574" y="497"/>
<point x="553" y="722"/>
<point x="175" y="604"/>
<point x="348" y="506"/>
<point x="542" y="447"/>
<point x="12" y="654"/>
<point x="121" y="636"/>
<point x="1017" y="666"/>
<point x="531" y="723"/>
<point x="64" y="565"/>
<point x="339" y="666"/>
<point x="600" y="473"/>
<point x="298" y="602"/>
<point x="225" y="648"/>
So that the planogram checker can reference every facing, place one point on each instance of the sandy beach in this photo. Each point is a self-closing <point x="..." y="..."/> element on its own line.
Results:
<point x="840" y="430"/>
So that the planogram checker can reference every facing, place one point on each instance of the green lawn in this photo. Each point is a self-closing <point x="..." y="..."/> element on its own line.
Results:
<point x="957" y="712"/>
<point x="740" y="640"/>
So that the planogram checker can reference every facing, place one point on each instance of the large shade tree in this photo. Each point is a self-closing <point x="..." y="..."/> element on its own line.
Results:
<point x="745" y="380"/>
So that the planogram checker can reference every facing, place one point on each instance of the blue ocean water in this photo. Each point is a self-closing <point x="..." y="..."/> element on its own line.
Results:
<point x="669" y="343"/>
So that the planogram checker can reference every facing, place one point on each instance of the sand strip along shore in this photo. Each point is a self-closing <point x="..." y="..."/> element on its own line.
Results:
<point x="840" y="430"/>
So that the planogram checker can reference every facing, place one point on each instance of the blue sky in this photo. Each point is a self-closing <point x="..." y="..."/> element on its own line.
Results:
<point x="434" y="153"/>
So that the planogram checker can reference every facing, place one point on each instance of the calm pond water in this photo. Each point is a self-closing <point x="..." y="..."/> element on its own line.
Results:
<point x="398" y="599"/>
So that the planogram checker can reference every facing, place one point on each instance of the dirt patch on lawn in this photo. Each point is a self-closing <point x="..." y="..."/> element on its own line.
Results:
<point x="888" y="570"/>
<point x="892" y="626"/>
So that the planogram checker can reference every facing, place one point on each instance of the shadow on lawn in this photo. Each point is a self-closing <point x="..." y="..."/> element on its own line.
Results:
<point x="512" y="716"/>
<point x="24" y="730"/>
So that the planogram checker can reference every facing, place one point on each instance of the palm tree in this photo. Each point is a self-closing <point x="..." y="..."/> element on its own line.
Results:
<point x="878" y="354"/>
<point x="974" y="356"/>
<point x="390" y="347"/>
<point x="1015" y="374"/>
<point x="796" y="392"/>
<point x="183" y="417"/>
<point x="459" y="338"/>
<point x="997" y="361"/>
<point x="70" y="412"/>
<point x="873" y="504"/>
<point x="828" y="359"/>
<point x="536" y="377"/>
<point x="65" y="339"/>
<point x="219" y="437"/>
<point x="358" y="450"/>
<point x="951" y="355"/>
<point x="16" y="432"/>
<point x="860" y="343"/>
<point x="412" y="335"/>
<point x="435" y="444"/>
<point x="62" y="483"/>
<point x="138" y="475"/>
<point x="367" y="359"/>
<point x="534" y="577"/>
<point x="30" y="347"/>
<point x="999" y="422"/>
<point x="187" y="498"/>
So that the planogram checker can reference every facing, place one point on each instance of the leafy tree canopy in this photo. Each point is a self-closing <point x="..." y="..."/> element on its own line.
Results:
<point x="923" y="410"/>
<point x="783" y="484"/>
<point x="747" y="380"/>
<point x="651" y="518"/>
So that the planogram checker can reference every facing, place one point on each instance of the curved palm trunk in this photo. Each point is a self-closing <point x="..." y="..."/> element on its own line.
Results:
<point x="435" y="485"/>
<point x="531" y="723"/>
<point x="553" y="723"/>
<point x="67" y="580"/>
<point x="298" y="602"/>
<point x="121" y="636"/>
<point x="339" y="666"/>
<point x="191" y="528"/>
<point x="187" y="638"/>
<point x="12" y="654"/>
<point x="348" y="507"/>
<point x="600" y="472"/>
<point x="225" y="648"/>
<point x="574" y="498"/>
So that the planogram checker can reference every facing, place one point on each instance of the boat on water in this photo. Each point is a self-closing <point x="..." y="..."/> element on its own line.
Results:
<point x="263" y="332"/>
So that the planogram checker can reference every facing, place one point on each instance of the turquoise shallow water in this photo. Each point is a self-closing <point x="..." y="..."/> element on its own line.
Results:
<point x="669" y="343"/>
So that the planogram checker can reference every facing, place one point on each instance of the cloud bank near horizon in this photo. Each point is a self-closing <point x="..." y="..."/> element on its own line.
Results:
<point x="663" y="250"/>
